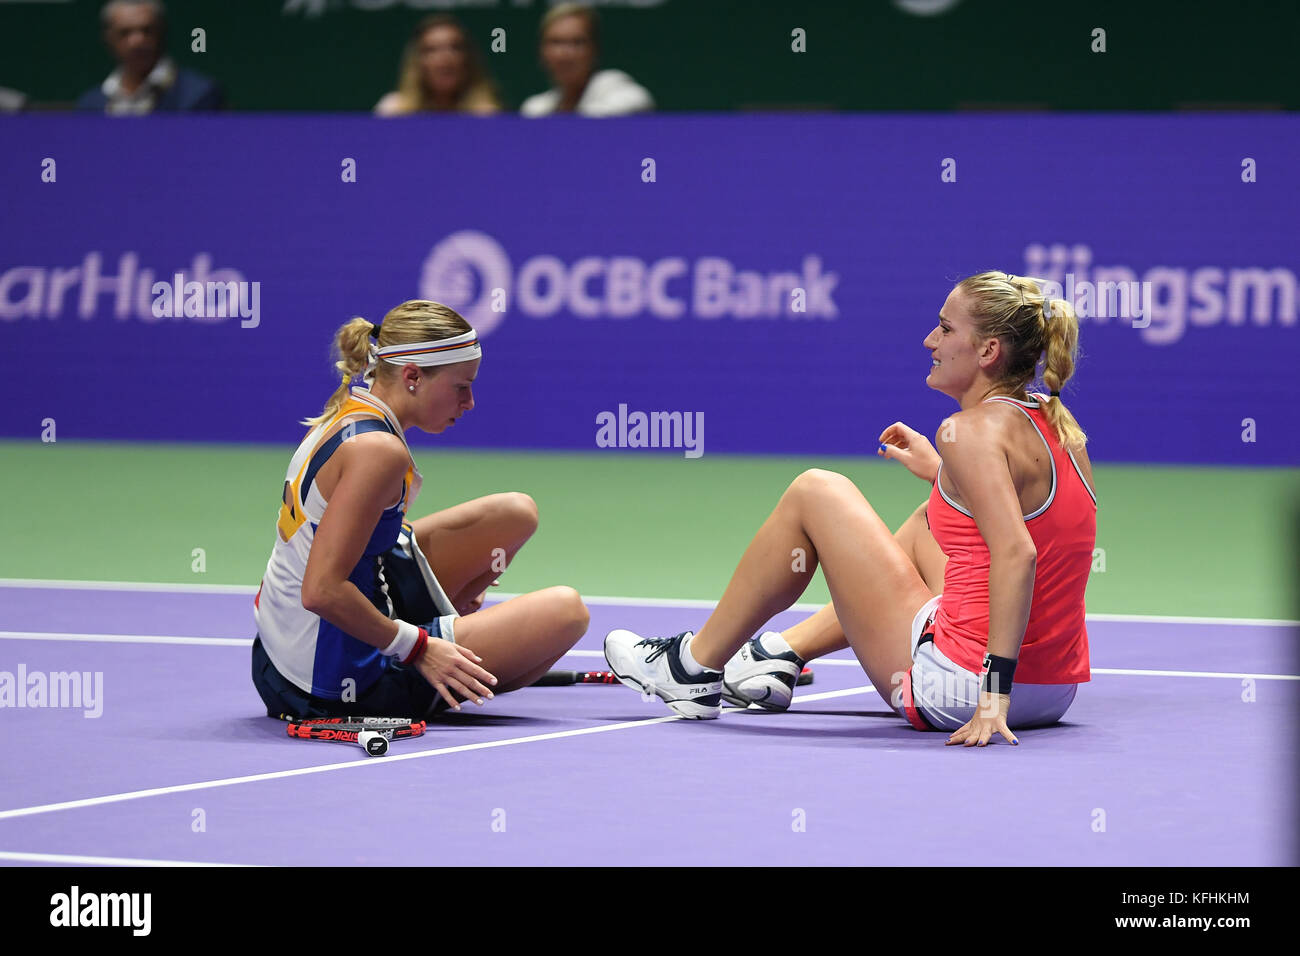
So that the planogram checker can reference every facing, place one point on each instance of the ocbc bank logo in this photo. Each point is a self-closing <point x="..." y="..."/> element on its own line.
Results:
<point x="472" y="273"/>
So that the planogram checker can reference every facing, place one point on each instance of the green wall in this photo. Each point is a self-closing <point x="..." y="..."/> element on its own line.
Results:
<point x="315" y="55"/>
<point x="1183" y="541"/>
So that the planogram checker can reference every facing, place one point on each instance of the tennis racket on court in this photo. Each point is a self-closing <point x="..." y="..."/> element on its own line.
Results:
<point x="372" y="734"/>
<point x="563" y="678"/>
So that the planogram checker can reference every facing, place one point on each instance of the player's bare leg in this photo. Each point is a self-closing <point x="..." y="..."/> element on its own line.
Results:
<point x="471" y="544"/>
<point x="822" y="634"/>
<point x="521" y="639"/>
<point x="875" y="588"/>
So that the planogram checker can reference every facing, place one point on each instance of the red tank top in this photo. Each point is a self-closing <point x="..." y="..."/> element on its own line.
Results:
<point x="1064" y="529"/>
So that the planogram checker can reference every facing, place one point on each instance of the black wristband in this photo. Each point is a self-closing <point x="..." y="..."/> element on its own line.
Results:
<point x="999" y="672"/>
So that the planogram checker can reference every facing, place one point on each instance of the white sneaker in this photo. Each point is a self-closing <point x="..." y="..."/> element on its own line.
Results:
<point x="653" y="665"/>
<point x="753" y="676"/>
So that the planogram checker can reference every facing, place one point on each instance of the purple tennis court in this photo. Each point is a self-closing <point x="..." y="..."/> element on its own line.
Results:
<point x="1179" y="752"/>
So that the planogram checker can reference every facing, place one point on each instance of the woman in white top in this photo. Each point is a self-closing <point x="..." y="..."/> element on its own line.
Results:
<point x="570" y="47"/>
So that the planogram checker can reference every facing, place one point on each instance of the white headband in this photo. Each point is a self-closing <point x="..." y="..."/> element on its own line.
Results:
<point x="458" y="348"/>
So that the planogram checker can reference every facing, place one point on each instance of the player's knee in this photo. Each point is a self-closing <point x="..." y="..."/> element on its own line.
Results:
<point x="520" y="510"/>
<point x="569" y="609"/>
<point x="819" y="482"/>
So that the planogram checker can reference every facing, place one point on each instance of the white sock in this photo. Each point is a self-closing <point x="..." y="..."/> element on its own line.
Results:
<point x="774" y="643"/>
<point x="691" y="665"/>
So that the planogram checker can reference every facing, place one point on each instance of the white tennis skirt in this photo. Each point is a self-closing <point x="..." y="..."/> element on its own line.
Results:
<point x="937" y="694"/>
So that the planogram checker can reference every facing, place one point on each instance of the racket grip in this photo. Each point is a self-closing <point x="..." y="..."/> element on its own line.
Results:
<point x="556" y="678"/>
<point x="373" y="742"/>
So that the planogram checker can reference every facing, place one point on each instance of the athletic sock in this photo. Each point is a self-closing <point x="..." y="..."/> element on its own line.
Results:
<point x="689" y="663"/>
<point x="774" y="643"/>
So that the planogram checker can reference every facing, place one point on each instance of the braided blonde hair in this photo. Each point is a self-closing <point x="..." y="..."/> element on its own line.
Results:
<point x="1032" y="328"/>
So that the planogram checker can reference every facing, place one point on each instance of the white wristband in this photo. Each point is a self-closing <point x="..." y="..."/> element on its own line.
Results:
<point x="404" y="642"/>
<point x="445" y="628"/>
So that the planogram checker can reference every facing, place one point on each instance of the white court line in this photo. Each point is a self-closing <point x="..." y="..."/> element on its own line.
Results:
<point x="101" y="860"/>
<point x="604" y="600"/>
<point x="127" y="586"/>
<point x="1132" y="672"/>
<point x="368" y="762"/>
<point x="1176" y="619"/>
<point x="832" y="661"/>
<point x="852" y="662"/>
<point x="124" y="638"/>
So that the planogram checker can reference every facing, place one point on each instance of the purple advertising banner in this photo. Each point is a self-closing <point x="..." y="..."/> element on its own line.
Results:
<point x="770" y="278"/>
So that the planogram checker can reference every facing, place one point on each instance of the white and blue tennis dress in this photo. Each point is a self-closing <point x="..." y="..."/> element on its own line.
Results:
<point x="312" y="662"/>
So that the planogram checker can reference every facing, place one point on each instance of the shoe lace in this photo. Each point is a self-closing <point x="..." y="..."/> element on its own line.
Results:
<point x="660" y="645"/>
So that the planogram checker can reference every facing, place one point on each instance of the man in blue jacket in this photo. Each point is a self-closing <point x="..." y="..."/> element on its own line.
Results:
<point x="146" y="79"/>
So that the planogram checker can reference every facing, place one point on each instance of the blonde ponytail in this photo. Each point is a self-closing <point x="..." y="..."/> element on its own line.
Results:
<point x="352" y="347"/>
<point x="1061" y="337"/>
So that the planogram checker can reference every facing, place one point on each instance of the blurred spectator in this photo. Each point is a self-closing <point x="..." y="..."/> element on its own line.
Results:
<point x="12" y="101"/>
<point x="570" y="49"/>
<point x="441" y="70"/>
<point x="146" y="79"/>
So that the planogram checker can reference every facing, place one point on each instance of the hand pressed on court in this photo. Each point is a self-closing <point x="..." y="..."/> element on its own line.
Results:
<point x="990" y="716"/>
<point x="450" y="667"/>
<point x="906" y="445"/>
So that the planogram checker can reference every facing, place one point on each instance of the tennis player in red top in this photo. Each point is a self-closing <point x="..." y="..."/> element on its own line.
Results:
<point x="969" y="618"/>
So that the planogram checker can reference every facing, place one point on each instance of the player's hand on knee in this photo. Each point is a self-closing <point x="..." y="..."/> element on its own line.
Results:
<point x="452" y="669"/>
<point x="911" y="448"/>
<point x="990" y="718"/>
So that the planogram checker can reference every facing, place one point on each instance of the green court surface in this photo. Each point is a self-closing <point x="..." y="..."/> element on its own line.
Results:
<point x="1176" y="541"/>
